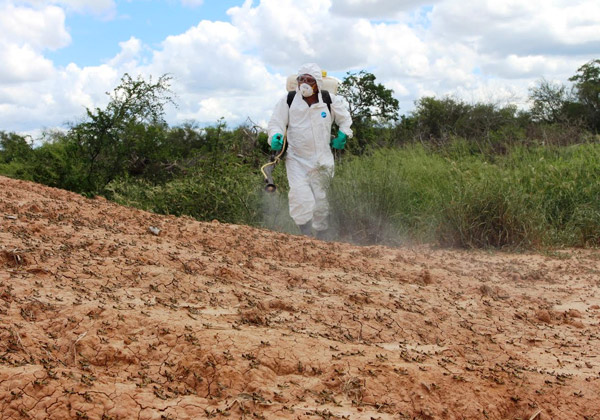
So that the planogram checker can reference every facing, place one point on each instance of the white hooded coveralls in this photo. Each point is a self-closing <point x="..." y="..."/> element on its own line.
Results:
<point x="309" y="161"/>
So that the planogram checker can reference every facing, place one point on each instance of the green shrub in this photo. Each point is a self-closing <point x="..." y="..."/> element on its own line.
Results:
<point x="17" y="170"/>
<point x="226" y="192"/>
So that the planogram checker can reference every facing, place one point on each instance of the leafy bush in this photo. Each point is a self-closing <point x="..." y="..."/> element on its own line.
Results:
<point x="15" y="154"/>
<point x="226" y="192"/>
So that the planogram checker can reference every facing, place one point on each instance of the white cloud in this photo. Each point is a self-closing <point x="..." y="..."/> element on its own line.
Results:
<point x="287" y="33"/>
<point x="22" y="64"/>
<point x="212" y="75"/>
<point x="209" y="109"/>
<point x="204" y="56"/>
<point x="392" y="48"/>
<point x="38" y="28"/>
<point x="105" y="8"/>
<point x="54" y="98"/>
<point x="56" y="101"/>
<point x="129" y="56"/>
<point x="376" y="9"/>
<point x="26" y="33"/>
<point x="97" y="7"/>
<point x="79" y="94"/>
<point x="192" y="3"/>
<point x="535" y="27"/>
<point x="484" y="50"/>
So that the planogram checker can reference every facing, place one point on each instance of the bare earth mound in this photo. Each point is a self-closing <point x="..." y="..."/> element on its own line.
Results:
<point x="100" y="318"/>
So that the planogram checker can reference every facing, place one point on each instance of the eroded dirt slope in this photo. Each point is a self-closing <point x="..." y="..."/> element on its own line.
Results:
<point x="102" y="319"/>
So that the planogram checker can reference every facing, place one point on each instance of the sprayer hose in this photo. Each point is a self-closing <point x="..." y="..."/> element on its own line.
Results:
<point x="275" y="160"/>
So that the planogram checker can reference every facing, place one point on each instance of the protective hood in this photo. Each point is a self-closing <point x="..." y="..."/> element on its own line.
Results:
<point x="314" y="70"/>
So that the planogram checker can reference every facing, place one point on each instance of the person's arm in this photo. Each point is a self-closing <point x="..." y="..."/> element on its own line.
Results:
<point x="341" y="114"/>
<point x="279" y="119"/>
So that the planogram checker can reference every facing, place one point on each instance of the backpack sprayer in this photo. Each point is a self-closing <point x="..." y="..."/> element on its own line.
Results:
<point x="329" y="84"/>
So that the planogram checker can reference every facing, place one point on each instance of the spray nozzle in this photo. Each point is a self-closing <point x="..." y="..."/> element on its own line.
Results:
<point x="267" y="171"/>
<point x="268" y="167"/>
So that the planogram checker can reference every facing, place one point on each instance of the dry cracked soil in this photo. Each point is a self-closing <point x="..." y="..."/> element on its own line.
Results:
<point x="101" y="318"/>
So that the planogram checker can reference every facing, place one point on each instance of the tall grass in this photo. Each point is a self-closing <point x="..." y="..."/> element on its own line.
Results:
<point x="564" y="184"/>
<point x="391" y="196"/>
<point x="528" y="198"/>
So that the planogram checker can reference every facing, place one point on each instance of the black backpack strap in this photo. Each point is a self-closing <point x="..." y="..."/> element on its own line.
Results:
<point x="327" y="99"/>
<point x="324" y="93"/>
<point x="290" y="97"/>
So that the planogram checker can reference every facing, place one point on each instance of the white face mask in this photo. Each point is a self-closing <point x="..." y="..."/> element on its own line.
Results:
<point x="306" y="90"/>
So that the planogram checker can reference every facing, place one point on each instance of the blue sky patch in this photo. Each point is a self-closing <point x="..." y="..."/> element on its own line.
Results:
<point x="95" y="40"/>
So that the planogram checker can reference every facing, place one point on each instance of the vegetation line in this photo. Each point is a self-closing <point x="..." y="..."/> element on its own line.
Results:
<point x="451" y="173"/>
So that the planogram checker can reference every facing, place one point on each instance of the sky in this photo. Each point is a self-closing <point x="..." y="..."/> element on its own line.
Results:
<point x="230" y="59"/>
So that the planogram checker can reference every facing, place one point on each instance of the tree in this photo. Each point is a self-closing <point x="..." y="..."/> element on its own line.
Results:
<point x="370" y="104"/>
<point x="549" y="102"/>
<point x="587" y="89"/>
<point x="436" y="119"/>
<point x="15" y="156"/>
<point x="14" y="147"/>
<point x="487" y="126"/>
<point x="117" y="139"/>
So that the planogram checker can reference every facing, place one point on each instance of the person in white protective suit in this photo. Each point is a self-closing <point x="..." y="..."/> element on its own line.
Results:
<point x="309" y="160"/>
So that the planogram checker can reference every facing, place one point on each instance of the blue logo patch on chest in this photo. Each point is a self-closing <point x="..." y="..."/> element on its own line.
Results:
<point x="323" y="114"/>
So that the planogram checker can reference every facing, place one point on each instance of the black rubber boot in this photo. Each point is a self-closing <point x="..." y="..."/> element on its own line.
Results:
<point x="323" y="235"/>
<point x="306" y="229"/>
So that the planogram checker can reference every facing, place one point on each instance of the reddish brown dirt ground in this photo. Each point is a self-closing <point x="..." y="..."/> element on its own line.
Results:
<point x="102" y="319"/>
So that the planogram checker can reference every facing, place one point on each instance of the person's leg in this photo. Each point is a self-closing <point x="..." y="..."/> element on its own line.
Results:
<point x="319" y="182"/>
<point x="300" y="197"/>
<point x="306" y="229"/>
<point x="324" y="235"/>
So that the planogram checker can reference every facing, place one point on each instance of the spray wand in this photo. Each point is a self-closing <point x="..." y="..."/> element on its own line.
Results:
<point x="268" y="167"/>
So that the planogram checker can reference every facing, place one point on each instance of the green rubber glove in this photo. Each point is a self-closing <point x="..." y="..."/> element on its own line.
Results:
<point x="340" y="141"/>
<point x="277" y="141"/>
